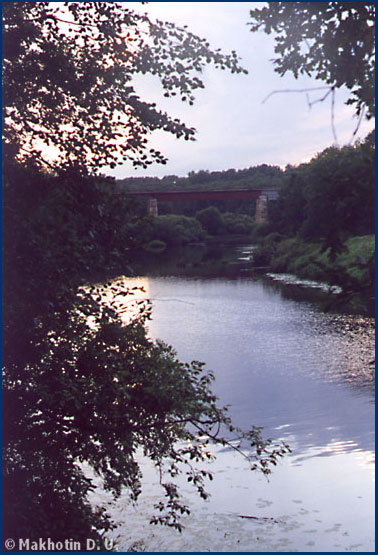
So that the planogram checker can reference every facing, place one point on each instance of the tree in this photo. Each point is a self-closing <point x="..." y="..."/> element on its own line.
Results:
<point x="287" y="213"/>
<point x="80" y="385"/>
<point x="174" y="229"/>
<point x="211" y="220"/>
<point x="332" y="41"/>
<point x="329" y="198"/>
<point x="76" y="65"/>
<point x="339" y="194"/>
<point x="323" y="214"/>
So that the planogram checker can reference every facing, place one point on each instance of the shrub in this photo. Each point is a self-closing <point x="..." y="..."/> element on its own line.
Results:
<point x="177" y="230"/>
<point x="240" y="224"/>
<point x="211" y="220"/>
<point x="260" y="231"/>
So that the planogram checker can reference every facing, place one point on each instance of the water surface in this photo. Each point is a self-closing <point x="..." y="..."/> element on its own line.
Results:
<point x="304" y="375"/>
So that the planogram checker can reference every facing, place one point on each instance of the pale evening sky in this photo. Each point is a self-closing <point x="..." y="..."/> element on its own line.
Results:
<point x="235" y="129"/>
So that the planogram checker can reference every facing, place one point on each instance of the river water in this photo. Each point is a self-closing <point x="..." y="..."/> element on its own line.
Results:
<point x="282" y="363"/>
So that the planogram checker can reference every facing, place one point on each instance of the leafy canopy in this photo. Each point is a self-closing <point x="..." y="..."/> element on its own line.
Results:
<point x="77" y="106"/>
<point x="332" y="41"/>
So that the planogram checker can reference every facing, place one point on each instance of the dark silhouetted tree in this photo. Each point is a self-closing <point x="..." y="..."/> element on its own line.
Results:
<point x="332" y="41"/>
<point x="68" y="82"/>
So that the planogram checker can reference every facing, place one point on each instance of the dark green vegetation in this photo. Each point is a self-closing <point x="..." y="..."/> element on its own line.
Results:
<point x="331" y="41"/>
<point x="329" y="200"/>
<point x="176" y="229"/>
<point x="79" y="385"/>
<point x="321" y="226"/>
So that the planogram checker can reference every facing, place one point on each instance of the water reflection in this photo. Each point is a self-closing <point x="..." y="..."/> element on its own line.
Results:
<point x="364" y="459"/>
<point x="234" y="262"/>
<point x="305" y="376"/>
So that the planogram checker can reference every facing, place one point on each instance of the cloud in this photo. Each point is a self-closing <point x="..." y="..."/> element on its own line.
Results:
<point x="234" y="128"/>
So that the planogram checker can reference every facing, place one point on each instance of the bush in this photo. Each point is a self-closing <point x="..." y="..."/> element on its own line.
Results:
<point x="238" y="224"/>
<point x="177" y="230"/>
<point x="211" y="220"/>
<point x="260" y="231"/>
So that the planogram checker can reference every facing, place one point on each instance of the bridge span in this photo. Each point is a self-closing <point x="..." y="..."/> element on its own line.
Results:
<point x="261" y="196"/>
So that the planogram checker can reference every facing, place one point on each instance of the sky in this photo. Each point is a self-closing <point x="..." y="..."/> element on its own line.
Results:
<point x="235" y="128"/>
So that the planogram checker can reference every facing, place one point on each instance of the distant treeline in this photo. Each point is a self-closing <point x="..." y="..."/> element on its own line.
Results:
<point x="262" y="176"/>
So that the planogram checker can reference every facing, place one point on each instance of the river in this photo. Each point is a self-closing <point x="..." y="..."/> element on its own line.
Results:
<point x="282" y="363"/>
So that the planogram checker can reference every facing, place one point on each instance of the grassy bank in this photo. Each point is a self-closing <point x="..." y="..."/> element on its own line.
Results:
<point x="352" y="268"/>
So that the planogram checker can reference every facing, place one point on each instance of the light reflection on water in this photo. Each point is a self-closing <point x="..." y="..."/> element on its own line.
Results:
<point x="307" y="377"/>
<point x="278" y="363"/>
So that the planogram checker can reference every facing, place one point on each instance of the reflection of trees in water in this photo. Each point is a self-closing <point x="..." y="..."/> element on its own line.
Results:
<point x="299" y="293"/>
<point x="345" y="340"/>
<point x="322" y="299"/>
<point x="348" y="340"/>
<point x="214" y="260"/>
<point x="228" y="260"/>
<point x="351" y="341"/>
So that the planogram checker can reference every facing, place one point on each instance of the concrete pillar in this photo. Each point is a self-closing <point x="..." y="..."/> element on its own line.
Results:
<point x="152" y="207"/>
<point x="261" y="215"/>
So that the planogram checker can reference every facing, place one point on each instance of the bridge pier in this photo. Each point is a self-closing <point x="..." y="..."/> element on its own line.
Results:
<point x="261" y="214"/>
<point x="152" y="207"/>
<point x="262" y="197"/>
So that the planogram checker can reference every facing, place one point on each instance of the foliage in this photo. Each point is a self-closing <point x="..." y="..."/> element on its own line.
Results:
<point x="211" y="220"/>
<point x="339" y="194"/>
<point x="177" y="230"/>
<point x="240" y="224"/>
<point x="77" y="106"/>
<point x="333" y="41"/>
<point x="330" y="198"/>
<point x="351" y="270"/>
<point x="288" y="212"/>
<point x="358" y="249"/>
<point x="355" y="269"/>
<point x="261" y="176"/>
<point x="260" y="231"/>
<point x="323" y="209"/>
<point x="98" y="394"/>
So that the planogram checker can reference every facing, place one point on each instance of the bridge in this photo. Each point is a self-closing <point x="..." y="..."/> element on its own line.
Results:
<point x="261" y="196"/>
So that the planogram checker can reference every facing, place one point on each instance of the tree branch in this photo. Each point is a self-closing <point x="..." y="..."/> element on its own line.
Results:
<point x="293" y="90"/>
<point x="362" y="113"/>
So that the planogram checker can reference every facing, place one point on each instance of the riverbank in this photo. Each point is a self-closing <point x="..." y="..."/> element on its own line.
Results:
<point x="352" y="269"/>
